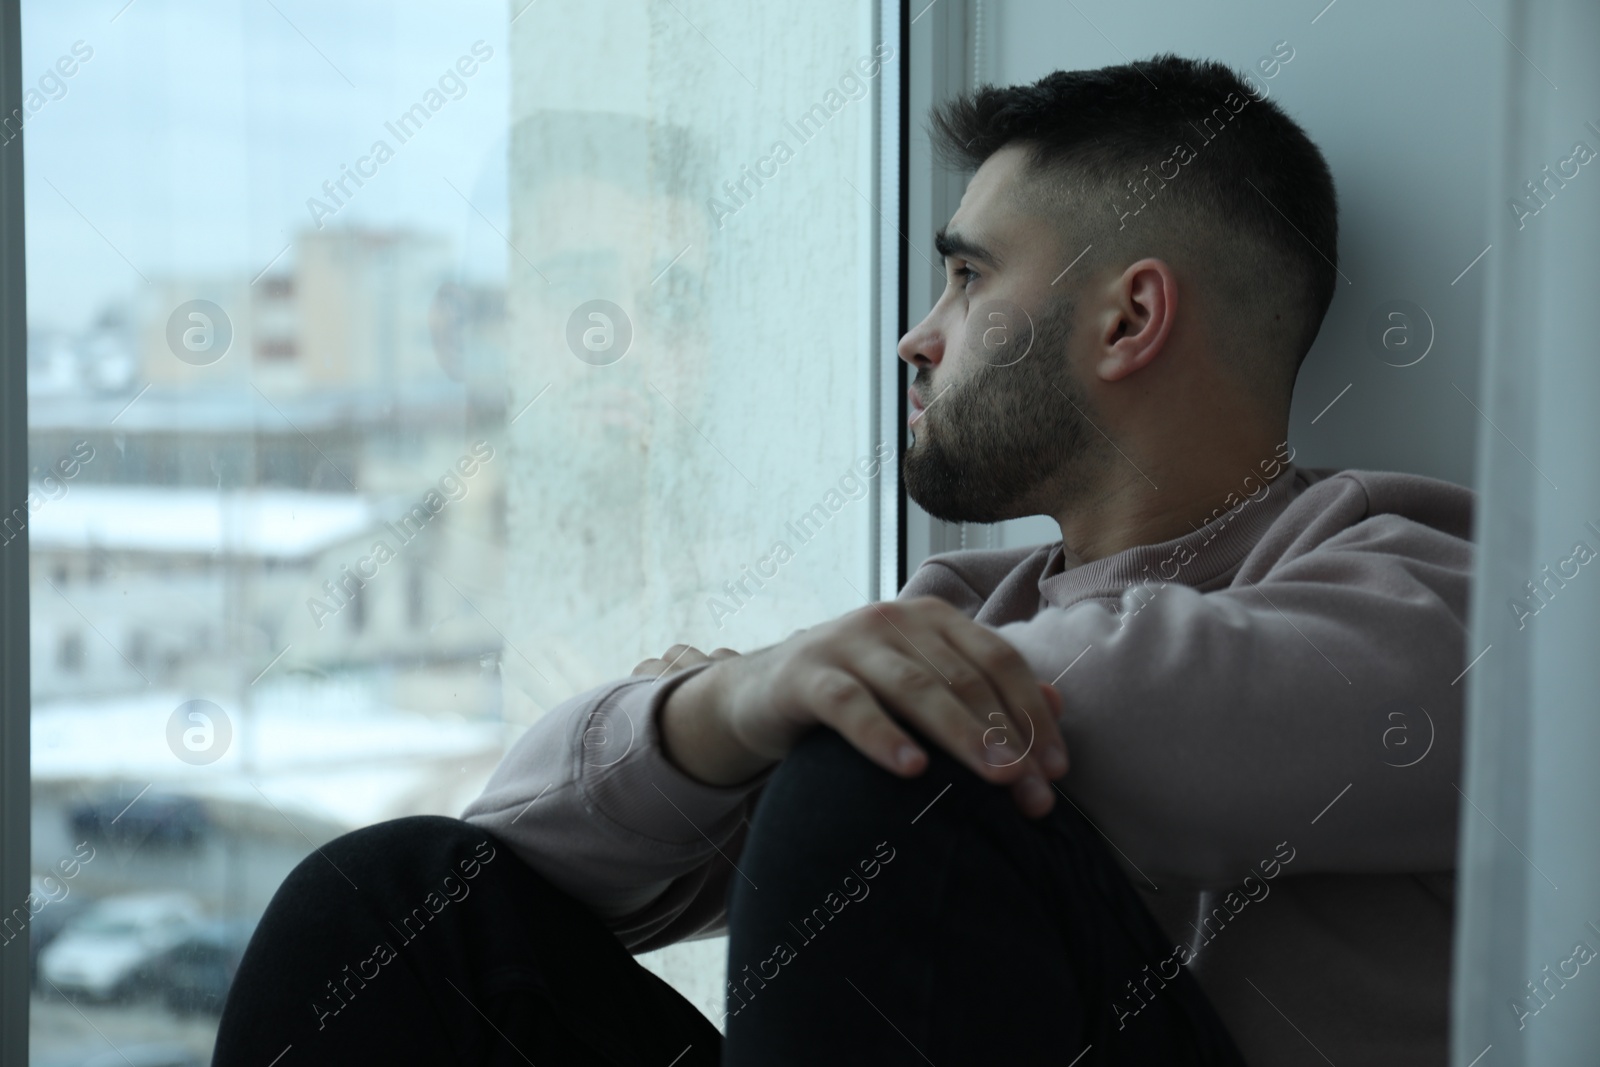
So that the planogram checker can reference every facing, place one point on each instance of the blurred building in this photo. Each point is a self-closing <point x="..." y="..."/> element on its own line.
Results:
<point x="227" y="497"/>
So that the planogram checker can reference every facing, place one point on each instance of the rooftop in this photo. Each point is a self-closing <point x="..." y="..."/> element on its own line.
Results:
<point x="264" y="523"/>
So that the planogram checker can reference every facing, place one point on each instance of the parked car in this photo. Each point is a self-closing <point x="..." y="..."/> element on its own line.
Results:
<point x="131" y="1054"/>
<point x="45" y="926"/>
<point x="146" y="1055"/>
<point x="195" y="974"/>
<point x="157" y="819"/>
<point x="108" y="951"/>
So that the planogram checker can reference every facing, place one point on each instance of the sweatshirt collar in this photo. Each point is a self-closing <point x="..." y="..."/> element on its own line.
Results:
<point x="1208" y="556"/>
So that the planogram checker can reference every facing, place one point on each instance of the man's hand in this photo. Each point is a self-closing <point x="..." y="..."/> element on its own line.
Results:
<point x="678" y="658"/>
<point x="920" y="660"/>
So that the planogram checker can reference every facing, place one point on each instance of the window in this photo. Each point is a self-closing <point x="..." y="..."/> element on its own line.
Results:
<point x="417" y="315"/>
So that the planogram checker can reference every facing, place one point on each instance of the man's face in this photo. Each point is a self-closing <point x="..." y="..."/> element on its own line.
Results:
<point x="1005" y="428"/>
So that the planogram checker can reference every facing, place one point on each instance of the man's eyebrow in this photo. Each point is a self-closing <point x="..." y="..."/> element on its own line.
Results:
<point x="949" y="243"/>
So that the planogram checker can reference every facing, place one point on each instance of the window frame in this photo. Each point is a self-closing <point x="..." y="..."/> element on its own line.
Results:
<point x="15" y="708"/>
<point x="943" y="52"/>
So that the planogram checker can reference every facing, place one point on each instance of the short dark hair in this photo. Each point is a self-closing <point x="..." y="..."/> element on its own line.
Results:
<point x="1251" y="211"/>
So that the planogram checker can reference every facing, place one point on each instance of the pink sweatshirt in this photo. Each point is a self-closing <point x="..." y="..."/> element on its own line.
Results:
<point x="1264" y="719"/>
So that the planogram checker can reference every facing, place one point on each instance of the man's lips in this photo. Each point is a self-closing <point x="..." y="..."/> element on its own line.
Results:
<point x="916" y="405"/>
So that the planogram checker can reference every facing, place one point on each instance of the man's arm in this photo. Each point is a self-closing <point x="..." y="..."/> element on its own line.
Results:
<point x="1207" y="728"/>
<point x="588" y="799"/>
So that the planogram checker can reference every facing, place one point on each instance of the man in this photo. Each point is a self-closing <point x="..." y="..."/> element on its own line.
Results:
<point x="1253" y="665"/>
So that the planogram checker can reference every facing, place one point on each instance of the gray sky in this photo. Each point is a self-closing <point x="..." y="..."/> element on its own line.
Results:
<point x="194" y="135"/>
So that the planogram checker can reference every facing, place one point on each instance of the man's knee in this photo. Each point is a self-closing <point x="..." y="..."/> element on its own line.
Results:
<point x="388" y="853"/>
<point x="824" y="768"/>
<point x="825" y="780"/>
<point x="407" y="835"/>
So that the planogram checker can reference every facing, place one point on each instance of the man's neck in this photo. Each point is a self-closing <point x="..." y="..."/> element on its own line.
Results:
<point x="1135" y="507"/>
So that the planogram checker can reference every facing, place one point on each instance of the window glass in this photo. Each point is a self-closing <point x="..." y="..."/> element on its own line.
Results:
<point x="398" y="371"/>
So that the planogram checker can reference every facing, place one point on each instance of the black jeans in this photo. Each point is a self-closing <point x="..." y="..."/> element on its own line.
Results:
<point x="872" y="920"/>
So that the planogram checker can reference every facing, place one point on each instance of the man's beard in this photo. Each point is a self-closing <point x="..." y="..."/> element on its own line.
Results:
<point x="1007" y="441"/>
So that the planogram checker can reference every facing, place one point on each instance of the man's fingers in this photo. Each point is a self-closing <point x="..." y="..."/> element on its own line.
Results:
<point x="943" y="687"/>
<point x="855" y="706"/>
<point x="914" y="688"/>
<point x="967" y="690"/>
<point x="1028" y="708"/>
<point x="841" y="702"/>
<point x="1034" y="796"/>
<point x="1057" y="704"/>
<point x="982" y="671"/>
<point x="685" y="656"/>
<point x="678" y="658"/>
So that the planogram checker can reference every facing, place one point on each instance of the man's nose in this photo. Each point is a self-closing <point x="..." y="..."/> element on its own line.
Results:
<point x="922" y="346"/>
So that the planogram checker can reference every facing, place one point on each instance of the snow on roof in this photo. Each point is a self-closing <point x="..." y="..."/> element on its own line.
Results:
<point x="240" y="409"/>
<point x="348" y="762"/>
<point x="279" y="523"/>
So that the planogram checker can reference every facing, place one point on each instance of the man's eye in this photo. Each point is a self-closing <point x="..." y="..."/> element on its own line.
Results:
<point x="967" y="274"/>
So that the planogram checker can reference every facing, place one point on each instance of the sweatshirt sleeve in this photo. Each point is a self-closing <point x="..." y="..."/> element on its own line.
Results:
<point x="1313" y="702"/>
<point x="588" y="799"/>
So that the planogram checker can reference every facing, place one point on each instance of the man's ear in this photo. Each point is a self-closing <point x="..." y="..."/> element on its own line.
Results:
<point x="1145" y="302"/>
